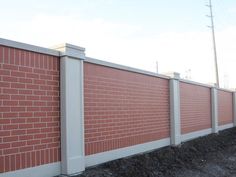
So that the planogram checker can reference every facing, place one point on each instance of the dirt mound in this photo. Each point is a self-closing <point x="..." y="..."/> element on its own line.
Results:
<point x="212" y="155"/>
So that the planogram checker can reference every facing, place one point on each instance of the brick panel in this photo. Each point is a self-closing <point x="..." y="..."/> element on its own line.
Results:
<point x="225" y="107"/>
<point x="123" y="108"/>
<point x="195" y="107"/>
<point x="29" y="109"/>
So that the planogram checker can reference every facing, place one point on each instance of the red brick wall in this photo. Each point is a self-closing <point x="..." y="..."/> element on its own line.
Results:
<point x="29" y="109"/>
<point x="195" y="107"/>
<point x="225" y="107"/>
<point x="123" y="108"/>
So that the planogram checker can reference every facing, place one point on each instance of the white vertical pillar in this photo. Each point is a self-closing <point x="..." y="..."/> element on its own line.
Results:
<point x="175" y="109"/>
<point x="72" y="108"/>
<point x="234" y="107"/>
<point x="214" y="110"/>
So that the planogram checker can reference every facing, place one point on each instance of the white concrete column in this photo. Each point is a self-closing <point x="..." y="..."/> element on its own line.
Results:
<point x="234" y="107"/>
<point x="72" y="109"/>
<point x="175" y="109"/>
<point x="214" y="110"/>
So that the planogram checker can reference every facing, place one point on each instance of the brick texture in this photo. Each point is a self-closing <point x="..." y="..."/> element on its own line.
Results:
<point x="195" y="107"/>
<point x="29" y="109"/>
<point x="123" y="108"/>
<point x="225" y="107"/>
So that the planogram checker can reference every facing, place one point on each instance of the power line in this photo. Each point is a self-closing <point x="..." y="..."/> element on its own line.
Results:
<point x="214" y="42"/>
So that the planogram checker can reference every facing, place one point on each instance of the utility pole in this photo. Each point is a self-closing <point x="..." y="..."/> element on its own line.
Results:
<point x="214" y="42"/>
<point x="157" y="68"/>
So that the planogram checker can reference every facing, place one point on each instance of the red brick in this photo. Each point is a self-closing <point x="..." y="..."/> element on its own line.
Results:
<point x="18" y="144"/>
<point x="32" y="75"/>
<point x="1" y="157"/>
<point x="10" y="115"/>
<point x="38" y="158"/>
<point x="37" y="92"/>
<point x="27" y="58"/>
<point x="10" y="126"/>
<point x="18" y="162"/>
<point x="17" y="74"/>
<point x="5" y="121"/>
<point x="18" y="120"/>
<point x="33" y="98"/>
<point x="33" y="158"/>
<point x="17" y="85"/>
<point x="10" y="138"/>
<point x="25" y="80"/>
<point x="46" y="77"/>
<point x="33" y="109"/>
<point x="5" y="146"/>
<point x="10" y="67"/>
<point x="11" y="56"/>
<point x="13" y="162"/>
<point x="40" y="103"/>
<point x="25" y="92"/>
<point x="25" y="103"/>
<point x="225" y="107"/>
<point x="23" y="160"/>
<point x="32" y="120"/>
<point x="26" y="149"/>
<point x="17" y="97"/>
<point x="53" y="83"/>
<point x="39" y="125"/>
<point x="46" y="87"/>
<point x="25" y="114"/>
<point x="132" y="102"/>
<point x="32" y="86"/>
<point x="9" y="79"/>
<point x="5" y="84"/>
<point x="4" y="97"/>
<point x="39" y="71"/>
<point x="18" y="132"/>
<point x="25" y="126"/>
<point x="1" y="54"/>
<point x="42" y="157"/>
<point x="10" y="91"/>
<point x="47" y="156"/>
<point x="195" y="100"/>
<point x="10" y="151"/>
<point x="33" y="131"/>
<point x="39" y="114"/>
<point x="39" y="82"/>
<point x="24" y="87"/>
<point x="40" y="146"/>
<point x="46" y="130"/>
<point x="17" y="109"/>
<point x="25" y="69"/>
<point x="51" y="145"/>
<point x="7" y="163"/>
<point x="33" y="142"/>
<point x="5" y="109"/>
<point x="5" y="73"/>
<point x="40" y="136"/>
<point x="28" y="159"/>
<point x="10" y="103"/>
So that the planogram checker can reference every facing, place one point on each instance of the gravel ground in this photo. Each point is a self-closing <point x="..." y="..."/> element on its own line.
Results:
<point x="209" y="156"/>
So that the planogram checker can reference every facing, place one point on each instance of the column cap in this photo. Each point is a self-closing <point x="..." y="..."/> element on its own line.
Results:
<point x="174" y="75"/>
<point x="70" y="50"/>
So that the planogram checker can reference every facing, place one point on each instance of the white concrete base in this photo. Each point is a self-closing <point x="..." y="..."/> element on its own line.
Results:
<point x="75" y="165"/>
<point x="196" y="134"/>
<point x="223" y="127"/>
<point x="103" y="157"/>
<point x="48" y="170"/>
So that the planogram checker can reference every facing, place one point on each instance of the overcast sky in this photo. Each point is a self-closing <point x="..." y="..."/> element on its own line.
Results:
<point x="136" y="33"/>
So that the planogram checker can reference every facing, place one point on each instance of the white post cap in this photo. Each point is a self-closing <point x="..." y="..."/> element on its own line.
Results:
<point x="70" y="50"/>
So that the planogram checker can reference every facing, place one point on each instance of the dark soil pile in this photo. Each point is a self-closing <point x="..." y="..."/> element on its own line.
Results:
<point x="213" y="155"/>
